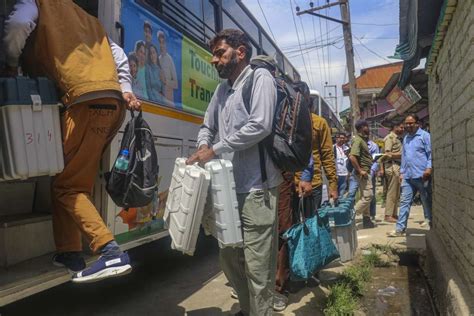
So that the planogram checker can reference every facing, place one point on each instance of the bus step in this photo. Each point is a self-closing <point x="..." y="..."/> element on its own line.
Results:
<point x="30" y="277"/>
<point x="25" y="236"/>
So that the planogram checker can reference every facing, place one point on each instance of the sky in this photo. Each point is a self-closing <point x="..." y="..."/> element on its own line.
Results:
<point x="375" y="36"/>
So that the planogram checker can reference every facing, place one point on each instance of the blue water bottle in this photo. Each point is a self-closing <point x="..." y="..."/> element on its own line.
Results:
<point x="121" y="164"/>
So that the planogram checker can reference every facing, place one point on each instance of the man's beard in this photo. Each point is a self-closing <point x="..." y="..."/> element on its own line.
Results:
<point x="225" y="71"/>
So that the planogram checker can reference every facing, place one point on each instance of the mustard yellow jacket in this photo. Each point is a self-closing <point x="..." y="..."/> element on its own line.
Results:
<point x="323" y="154"/>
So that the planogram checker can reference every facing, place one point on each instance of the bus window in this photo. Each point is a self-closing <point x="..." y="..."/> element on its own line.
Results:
<point x="201" y="12"/>
<point x="209" y="17"/>
<point x="288" y="69"/>
<point x="279" y="61"/>
<point x="234" y="10"/>
<point x="227" y="22"/>
<point x="268" y="47"/>
<point x="315" y="104"/>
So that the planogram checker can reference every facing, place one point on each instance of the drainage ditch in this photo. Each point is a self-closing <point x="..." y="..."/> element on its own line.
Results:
<point x="399" y="289"/>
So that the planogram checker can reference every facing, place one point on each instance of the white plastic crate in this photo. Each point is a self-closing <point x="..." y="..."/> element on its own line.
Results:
<point x="185" y="205"/>
<point x="222" y="218"/>
<point x="345" y="239"/>
<point x="174" y="191"/>
<point x="31" y="143"/>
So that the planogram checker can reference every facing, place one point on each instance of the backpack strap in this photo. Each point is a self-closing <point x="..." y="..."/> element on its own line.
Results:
<point x="247" y="91"/>
<point x="246" y="95"/>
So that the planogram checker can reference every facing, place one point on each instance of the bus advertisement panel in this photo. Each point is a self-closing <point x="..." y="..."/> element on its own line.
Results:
<point x="167" y="67"/>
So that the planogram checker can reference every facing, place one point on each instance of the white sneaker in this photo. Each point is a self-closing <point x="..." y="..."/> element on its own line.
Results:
<point x="280" y="302"/>
<point x="396" y="233"/>
<point x="426" y="223"/>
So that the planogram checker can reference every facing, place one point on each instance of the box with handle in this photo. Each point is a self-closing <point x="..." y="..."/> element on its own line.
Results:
<point x="30" y="130"/>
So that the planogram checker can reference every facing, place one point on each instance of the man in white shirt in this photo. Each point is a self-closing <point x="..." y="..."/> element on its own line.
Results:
<point x="340" y="154"/>
<point x="167" y="65"/>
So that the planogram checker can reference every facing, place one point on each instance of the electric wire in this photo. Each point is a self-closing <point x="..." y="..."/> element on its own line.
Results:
<point x="317" y="52"/>
<point x="374" y="24"/>
<point x="314" y="48"/>
<point x="360" y="59"/>
<point x="310" y="60"/>
<point x="370" y="50"/>
<point x="328" y="48"/>
<point x="265" y="17"/>
<point x="315" y="40"/>
<point x="324" y="58"/>
<point x="298" y="37"/>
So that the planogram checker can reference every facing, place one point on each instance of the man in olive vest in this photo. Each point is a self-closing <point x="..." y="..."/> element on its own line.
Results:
<point x="92" y="74"/>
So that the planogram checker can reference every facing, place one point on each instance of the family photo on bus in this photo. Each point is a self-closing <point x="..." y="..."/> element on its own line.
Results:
<point x="152" y="68"/>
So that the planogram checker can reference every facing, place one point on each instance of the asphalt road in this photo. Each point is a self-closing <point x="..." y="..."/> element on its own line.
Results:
<point x="160" y="280"/>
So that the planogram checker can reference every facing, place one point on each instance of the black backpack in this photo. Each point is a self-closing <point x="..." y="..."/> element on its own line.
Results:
<point x="289" y="144"/>
<point x="136" y="186"/>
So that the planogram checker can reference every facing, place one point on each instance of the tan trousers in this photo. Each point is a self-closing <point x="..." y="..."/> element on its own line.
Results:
<point x="366" y="194"/>
<point x="392" y="176"/>
<point x="87" y="129"/>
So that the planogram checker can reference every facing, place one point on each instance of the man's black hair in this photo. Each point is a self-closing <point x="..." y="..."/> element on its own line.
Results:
<point x="361" y="123"/>
<point x="414" y="116"/>
<point x="234" y="38"/>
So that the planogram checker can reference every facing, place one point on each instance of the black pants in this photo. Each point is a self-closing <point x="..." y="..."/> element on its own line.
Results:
<point x="311" y="203"/>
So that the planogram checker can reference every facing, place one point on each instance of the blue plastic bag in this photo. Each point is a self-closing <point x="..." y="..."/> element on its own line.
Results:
<point x="310" y="245"/>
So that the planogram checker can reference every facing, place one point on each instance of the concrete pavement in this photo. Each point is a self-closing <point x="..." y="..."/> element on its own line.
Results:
<point x="214" y="297"/>
<point x="165" y="282"/>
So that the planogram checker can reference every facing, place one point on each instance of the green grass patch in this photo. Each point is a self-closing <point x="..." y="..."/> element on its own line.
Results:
<point x="340" y="301"/>
<point x="343" y="298"/>
<point x="356" y="277"/>
<point x="386" y="248"/>
<point x="372" y="260"/>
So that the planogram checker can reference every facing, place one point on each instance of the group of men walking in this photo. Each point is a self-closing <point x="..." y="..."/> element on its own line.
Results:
<point x="405" y="168"/>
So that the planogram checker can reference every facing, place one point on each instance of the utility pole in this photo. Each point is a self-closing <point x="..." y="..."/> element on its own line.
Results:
<point x="333" y="86"/>
<point x="346" y="27"/>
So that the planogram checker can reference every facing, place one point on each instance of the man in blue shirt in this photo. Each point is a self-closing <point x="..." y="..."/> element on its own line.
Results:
<point x="415" y="173"/>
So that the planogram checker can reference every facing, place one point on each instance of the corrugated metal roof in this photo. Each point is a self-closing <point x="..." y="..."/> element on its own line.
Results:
<point x="375" y="77"/>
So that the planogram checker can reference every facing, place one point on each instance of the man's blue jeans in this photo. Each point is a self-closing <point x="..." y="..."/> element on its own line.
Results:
<point x="353" y="185"/>
<point x="341" y="185"/>
<point x="409" y="189"/>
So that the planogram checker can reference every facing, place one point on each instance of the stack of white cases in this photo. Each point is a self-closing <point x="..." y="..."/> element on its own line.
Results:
<point x="185" y="205"/>
<point x="222" y="218"/>
<point x="31" y="144"/>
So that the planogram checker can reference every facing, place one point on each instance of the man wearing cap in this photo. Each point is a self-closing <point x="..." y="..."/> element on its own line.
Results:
<point x="362" y="162"/>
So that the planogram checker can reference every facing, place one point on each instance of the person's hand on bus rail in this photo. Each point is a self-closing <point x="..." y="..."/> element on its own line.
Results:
<point x="132" y="101"/>
<point x="203" y="155"/>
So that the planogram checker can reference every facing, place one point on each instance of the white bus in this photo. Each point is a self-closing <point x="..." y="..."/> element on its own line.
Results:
<point x="323" y="109"/>
<point x="184" y="27"/>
